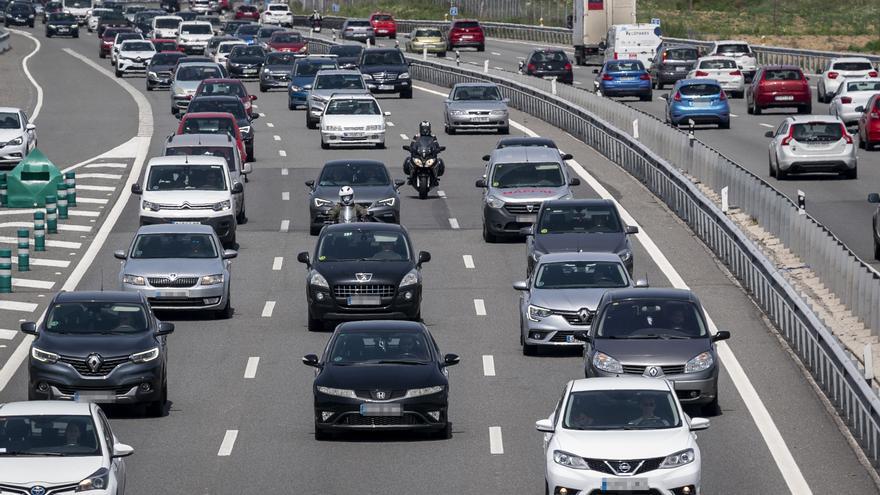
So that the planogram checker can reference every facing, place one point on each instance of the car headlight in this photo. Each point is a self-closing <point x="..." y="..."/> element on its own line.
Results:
<point x="537" y="313"/>
<point x="245" y="129"/>
<point x="386" y="202"/>
<point x="147" y="205"/>
<point x="215" y="279"/>
<point x="678" y="459"/>
<point x="178" y="91"/>
<point x="223" y="205"/>
<point x="321" y="203"/>
<point x="295" y="89"/>
<point x="145" y="356"/>
<point x="457" y="112"/>
<point x="319" y="99"/>
<point x="700" y="362"/>
<point x="606" y="363"/>
<point x="403" y="75"/>
<point x="153" y="75"/>
<point x="375" y="127"/>
<point x="318" y="280"/>
<point x="265" y="71"/>
<point x="625" y="255"/>
<point x="368" y="76"/>
<point x="43" y="356"/>
<point x="96" y="481"/>
<point x="572" y="461"/>
<point x="498" y="112"/>
<point x="15" y="142"/>
<point x="52" y="26"/>
<point x="411" y="278"/>
<point x="338" y="392"/>
<point x="133" y="279"/>
<point x="332" y="127"/>
<point x="232" y="64"/>
<point x="494" y="202"/>
<point x="418" y="392"/>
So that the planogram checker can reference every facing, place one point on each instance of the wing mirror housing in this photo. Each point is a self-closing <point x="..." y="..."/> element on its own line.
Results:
<point x="31" y="127"/>
<point x="860" y="109"/>
<point x="480" y="183"/>
<point x="642" y="283"/>
<point x="874" y="198"/>
<point x="595" y="71"/>
<point x="768" y="134"/>
<point x="406" y="147"/>
<point x="253" y="97"/>
<point x="255" y="116"/>
<point x="699" y="424"/>
<point x="122" y="450"/>
<point x="303" y="258"/>
<point x="136" y="189"/>
<point x="486" y="158"/>
<point x="28" y="327"/>
<point x="237" y="188"/>
<point x="311" y="360"/>
<point x="567" y="156"/>
<point x="307" y="86"/>
<point x="451" y="360"/>
<point x="310" y="183"/>
<point x="521" y="285"/>
<point x="165" y="328"/>
<point x="228" y="254"/>
<point x="544" y="426"/>
<point x="582" y="335"/>
<point x="387" y="114"/>
<point x="441" y="149"/>
<point x="424" y="257"/>
<point x="119" y="254"/>
<point x="632" y="229"/>
<point x="574" y="181"/>
<point x="721" y="335"/>
<point x="247" y="168"/>
<point x="398" y="183"/>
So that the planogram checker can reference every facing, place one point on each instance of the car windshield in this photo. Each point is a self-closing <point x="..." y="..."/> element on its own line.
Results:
<point x="853" y="66"/>
<point x="625" y="66"/>
<point x="170" y="245"/>
<point x="225" y="105"/>
<point x="817" y="131"/>
<point x="165" y="58"/>
<point x="167" y="23"/>
<point x="346" y="50"/>
<point x="223" y="151"/>
<point x="92" y="317"/>
<point x="507" y="175"/>
<point x="354" y="174"/>
<point x="9" y="120"/>
<point x="340" y="106"/>
<point x="127" y="36"/>
<point x="144" y="46"/>
<point x="363" y="245"/>
<point x="266" y="33"/>
<point x="61" y="16"/>
<point x="549" y="56"/>
<point x="681" y="54"/>
<point x="186" y="178"/>
<point x="651" y="319"/>
<point x="581" y="275"/>
<point x="248" y="29"/>
<point x="596" y="219"/>
<point x="198" y="73"/>
<point x="197" y="29"/>
<point x="247" y="51"/>
<point x="48" y="435"/>
<point x="782" y="75"/>
<point x="476" y="93"/>
<point x="700" y="89"/>
<point x="621" y="410"/>
<point x="378" y="347"/>
<point x="113" y="15"/>
<point x="222" y="89"/>
<point x="339" y="81"/>
<point x="215" y="21"/>
<point x="280" y="58"/>
<point x="718" y="63"/>
<point x="863" y="86"/>
<point x="384" y="57"/>
<point x="310" y="68"/>
<point x="428" y="33"/>
<point x="286" y="38"/>
<point x="733" y="49"/>
<point x="466" y="24"/>
<point x="227" y="47"/>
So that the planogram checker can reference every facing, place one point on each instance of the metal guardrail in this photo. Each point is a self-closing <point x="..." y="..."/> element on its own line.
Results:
<point x="4" y="41"/>
<point x="601" y="126"/>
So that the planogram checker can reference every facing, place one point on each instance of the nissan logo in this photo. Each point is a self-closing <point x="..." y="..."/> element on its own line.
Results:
<point x="623" y="467"/>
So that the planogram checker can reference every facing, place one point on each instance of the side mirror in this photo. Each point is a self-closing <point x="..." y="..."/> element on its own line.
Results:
<point x="119" y="254"/>
<point x="178" y="115"/>
<point x="254" y="116"/>
<point x="505" y="100"/>
<point x="165" y="328"/>
<point x="567" y="156"/>
<point x="398" y="183"/>
<point x="521" y="285"/>
<point x="451" y="360"/>
<point x="721" y="335"/>
<point x="307" y="86"/>
<point x="253" y="97"/>
<point x="595" y="71"/>
<point x="228" y="254"/>
<point x="699" y="424"/>
<point x="387" y="114"/>
<point x="303" y="258"/>
<point x="441" y="149"/>
<point x="582" y="335"/>
<point x="574" y="181"/>
<point x="544" y="426"/>
<point x="136" y="189"/>
<point x="122" y="450"/>
<point x="650" y="59"/>
<point x="406" y="147"/>
<point x="237" y="188"/>
<point x="527" y="230"/>
<point x="311" y="360"/>
<point x="486" y="158"/>
<point x="480" y="183"/>
<point x="768" y="134"/>
<point x="247" y="168"/>
<point x="29" y="327"/>
<point x="424" y="257"/>
<point x="860" y="109"/>
<point x="642" y="283"/>
<point x="874" y="198"/>
<point x="31" y="127"/>
<point x="310" y="183"/>
<point x="631" y="229"/>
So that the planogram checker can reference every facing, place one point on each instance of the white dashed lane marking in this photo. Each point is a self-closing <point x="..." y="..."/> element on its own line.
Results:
<point x="496" y="54"/>
<point x="276" y="137"/>
<point x="284" y="171"/>
<point x="468" y="261"/>
<point x="269" y="124"/>
<point x="403" y="136"/>
<point x="453" y="222"/>
<point x="389" y="124"/>
<point x="488" y="365"/>
<point x="7" y="334"/>
<point x="766" y="125"/>
<point x="250" y="371"/>
<point x="496" y="443"/>
<point x="98" y="176"/>
<point x="228" y="443"/>
<point x="285" y="226"/>
<point x="32" y="284"/>
<point x="480" y="307"/>
<point x="84" y="187"/>
<point x="282" y="153"/>
<point x="285" y="196"/>
<point x="18" y="306"/>
<point x="442" y="194"/>
<point x="268" y="309"/>
<point x="277" y="262"/>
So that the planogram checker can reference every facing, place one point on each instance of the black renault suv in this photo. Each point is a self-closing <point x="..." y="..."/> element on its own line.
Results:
<point x="99" y="346"/>
<point x="386" y="71"/>
<point x="363" y="271"/>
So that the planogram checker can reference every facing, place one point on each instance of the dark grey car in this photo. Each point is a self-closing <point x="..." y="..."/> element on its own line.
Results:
<point x="672" y="62"/>
<point x="657" y="333"/>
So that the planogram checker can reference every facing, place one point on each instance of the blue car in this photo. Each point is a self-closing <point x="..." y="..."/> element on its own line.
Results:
<point x="700" y="100"/>
<point x="248" y="33"/>
<point x="623" y="78"/>
<point x="303" y="75"/>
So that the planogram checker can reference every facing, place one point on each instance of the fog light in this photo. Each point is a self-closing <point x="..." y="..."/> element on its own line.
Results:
<point x="435" y="415"/>
<point x="694" y="393"/>
<point x="145" y="387"/>
<point x="536" y="335"/>
<point x="42" y="387"/>
<point x="319" y="296"/>
<point x="325" y="415"/>
<point x="407" y="295"/>
<point x="686" y="490"/>
<point x="211" y="300"/>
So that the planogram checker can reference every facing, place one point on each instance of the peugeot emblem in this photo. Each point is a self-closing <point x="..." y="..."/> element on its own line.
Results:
<point x="653" y="371"/>
<point x="584" y="314"/>
<point x="172" y="277"/>
<point x="380" y="395"/>
<point x="38" y="490"/>
<point x="624" y="467"/>
<point x="94" y="361"/>
<point x="363" y="277"/>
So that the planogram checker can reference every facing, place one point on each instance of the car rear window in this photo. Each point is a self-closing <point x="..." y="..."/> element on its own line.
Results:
<point x="817" y="131"/>
<point x="733" y="49"/>
<point x="278" y="8"/>
<point x="288" y="37"/>
<point x="863" y="86"/>
<point x="428" y="33"/>
<point x="382" y="17"/>
<point x="167" y="23"/>
<point x="280" y="58"/>
<point x="625" y="66"/>
<point x="197" y="29"/>
<point x="359" y="23"/>
<point x="718" y="63"/>
<point x="783" y="75"/>
<point x="681" y="54"/>
<point x="700" y="89"/>
<point x="222" y="89"/>
<point x="852" y="66"/>
<point x="579" y="218"/>
<point x="549" y="56"/>
<point x="247" y="29"/>
<point x="466" y="25"/>
<point x="246" y="8"/>
<point x="225" y="152"/>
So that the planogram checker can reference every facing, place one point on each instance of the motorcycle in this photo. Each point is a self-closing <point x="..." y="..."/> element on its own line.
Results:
<point x="423" y="166"/>
<point x="348" y="214"/>
<point x="316" y="25"/>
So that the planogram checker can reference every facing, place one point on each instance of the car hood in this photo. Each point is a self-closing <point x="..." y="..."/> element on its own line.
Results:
<point x="362" y="194"/>
<point x="245" y="60"/>
<point x="105" y="345"/>
<point x="65" y="22"/>
<point x="623" y="444"/>
<point x="48" y="470"/>
<point x="191" y="197"/>
<point x="372" y="69"/>
<point x="384" y="272"/>
<point x="279" y="68"/>
<point x="141" y="55"/>
<point x="9" y="134"/>
<point x="580" y="241"/>
<point x="302" y="80"/>
<point x="183" y="267"/>
<point x="161" y="67"/>
<point x="529" y="194"/>
<point x="380" y="376"/>
<point x="327" y="92"/>
<point x="352" y="120"/>
<point x="652" y="351"/>
<point x="566" y="299"/>
<point x="477" y="105"/>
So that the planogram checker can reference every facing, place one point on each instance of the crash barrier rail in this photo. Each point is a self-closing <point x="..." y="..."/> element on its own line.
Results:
<point x="835" y="372"/>
<point x="4" y="41"/>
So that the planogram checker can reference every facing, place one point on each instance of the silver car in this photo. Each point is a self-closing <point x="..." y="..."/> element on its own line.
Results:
<point x="187" y="78"/>
<point x="812" y="143"/>
<point x="473" y="106"/>
<point x="328" y="83"/>
<point x="853" y="94"/>
<point x="18" y="137"/>
<point x="562" y="294"/>
<point x="178" y="267"/>
<point x="358" y="30"/>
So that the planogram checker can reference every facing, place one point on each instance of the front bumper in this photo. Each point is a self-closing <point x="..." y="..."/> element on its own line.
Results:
<point x="124" y="65"/>
<point x="467" y="121"/>
<point x="395" y="307"/>
<point x="122" y="385"/>
<point x="193" y="48"/>
<point x="275" y="80"/>
<point x="394" y="86"/>
<point x="224" y="225"/>
<point x="181" y="102"/>
<point x="352" y="137"/>
<point x="500" y="222"/>
<point x="14" y="153"/>
<point x="552" y="331"/>
<point x="159" y="80"/>
<point x="63" y="30"/>
<point x="298" y="98"/>
<point x="589" y="482"/>
<point x="691" y="388"/>
<point x="415" y="414"/>
<point x="244" y="72"/>
<point x="12" y="20"/>
<point x="198" y="298"/>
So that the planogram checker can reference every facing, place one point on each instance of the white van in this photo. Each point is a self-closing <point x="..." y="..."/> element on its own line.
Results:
<point x="632" y="41"/>
<point x="165" y="26"/>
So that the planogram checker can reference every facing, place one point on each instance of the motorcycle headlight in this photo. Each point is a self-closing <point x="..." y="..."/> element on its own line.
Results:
<point x="700" y="362"/>
<point x="318" y="280"/>
<point x="678" y="459"/>
<point x="223" y="205"/>
<point x="96" y="481"/>
<point x="147" y="205"/>
<point x="215" y="279"/>
<point x="417" y="162"/>
<point x="321" y="203"/>
<point x="494" y="202"/>
<point x="537" y="313"/>
<point x="338" y="392"/>
<point x="429" y="162"/>
<point x="625" y="255"/>
<point x="43" y="356"/>
<point x="572" y="461"/>
<point x="15" y="142"/>
<point x="418" y="392"/>
<point x="411" y="278"/>
<point x="133" y="279"/>
<point x="386" y="202"/>
<point x="607" y="363"/>
<point x="145" y="356"/>
<point x="403" y="75"/>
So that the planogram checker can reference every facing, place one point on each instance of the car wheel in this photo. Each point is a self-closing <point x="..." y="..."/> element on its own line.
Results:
<point x="149" y="87"/>
<point x="851" y="174"/>
<point x="445" y="433"/>
<point x="481" y="48"/>
<point x="647" y="97"/>
<point x="313" y="230"/>
<point x="322" y="435"/>
<point x="380" y="146"/>
<point x="441" y="54"/>
<point x="724" y="125"/>
<point x="449" y="129"/>
<point x="48" y="35"/>
<point x="118" y="73"/>
<point x="877" y="250"/>
<point x="489" y="236"/>
<point x="749" y="109"/>
<point x="808" y="109"/>
<point x="76" y="34"/>
<point x="102" y="55"/>
<point x="314" y="324"/>
<point x="226" y="312"/>
<point x="780" y="174"/>
<point x="263" y="89"/>
<point x="710" y="409"/>
<point x="529" y="349"/>
<point x="309" y="122"/>
<point x="156" y="409"/>
<point x="249" y="151"/>
<point x="406" y="94"/>
<point x="756" y="110"/>
<point x="660" y="85"/>
<point x="820" y="93"/>
<point x="862" y="143"/>
<point x="771" y="171"/>
<point x="324" y="146"/>
<point x="504" y="130"/>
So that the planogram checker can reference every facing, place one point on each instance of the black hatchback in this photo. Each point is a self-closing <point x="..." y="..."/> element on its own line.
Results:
<point x="381" y="375"/>
<point x="549" y="63"/>
<point x="62" y="24"/>
<point x="672" y="62"/>
<point x="20" y="14"/>
<point x="105" y="347"/>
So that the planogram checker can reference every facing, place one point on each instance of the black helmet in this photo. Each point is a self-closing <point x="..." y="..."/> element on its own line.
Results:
<point x="425" y="128"/>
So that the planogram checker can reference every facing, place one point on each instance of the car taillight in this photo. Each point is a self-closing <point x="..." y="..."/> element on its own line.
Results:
<point x="722" y="96"/>
<point x="787" y="139"/>
<point x="873" y="73"/>
<point x="606" y="77"/>
<point x="701" y="73"/>
<point x="845" y="99"/>
<point x="530" y="67"/>
<point x="677" y="96"/>
<point x="615" y="55"/>
<point x="645" y="77"/>
<point x="832" y="75"/>
<point x="736" y="73"/>
<point x="846" y="136"/>
<point x="875" y="115"/>
<point x="665" y="55"/>
<point x="567" y="66"/>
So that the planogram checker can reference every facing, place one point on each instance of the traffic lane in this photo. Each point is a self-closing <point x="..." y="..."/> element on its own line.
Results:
<point x="17" y="90"/>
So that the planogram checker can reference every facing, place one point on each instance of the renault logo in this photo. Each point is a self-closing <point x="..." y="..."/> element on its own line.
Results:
<point x="38" y="490"/>
<point x="623" y="467"/>
<point x="380" y="395"/>
<point x="94" y="361"/>
<point x="363" y="277"/>
<point x="584" y="314"/>
<point x="653" y="371"/>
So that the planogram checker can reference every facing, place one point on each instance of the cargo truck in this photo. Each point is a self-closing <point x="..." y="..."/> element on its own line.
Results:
<point x="592" y="20"/>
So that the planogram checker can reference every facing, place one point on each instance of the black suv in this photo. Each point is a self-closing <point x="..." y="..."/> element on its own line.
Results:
<point x="363" y="271"/>
<point x="386" y="71"/>
<point x="672" y="62"/>
<point x="99" y="346"/>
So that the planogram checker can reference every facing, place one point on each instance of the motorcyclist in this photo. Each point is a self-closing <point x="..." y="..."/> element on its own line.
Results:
<point x="315" y="19"/>
<point x="425" y="131"/>
<point x="346" y="199"/>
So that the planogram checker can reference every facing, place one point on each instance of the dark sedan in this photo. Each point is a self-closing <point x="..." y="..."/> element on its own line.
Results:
<point x="61" y="24"/>
<point x="381" y="375"/>
<point x="161" y="69"/>
<point x="276" y="70"/>
<point x="233" y="105"/>
<point x="52" y="8"/>
<point x="245" y="62"/>
<point x="386" y="71"/>
<point x="101" y="346"/>
<point x="20" y="14"/>
<point x="347" y="56"/>
<point x="549" y="63"/>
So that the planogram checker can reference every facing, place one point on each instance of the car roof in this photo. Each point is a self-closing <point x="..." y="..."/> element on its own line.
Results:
<point x="197" y="63"/>
<point x="124" y="42"/>
<point x="577" y="202"/>
<point x="208" y="115"/>
<point x="187" y="160"/>
<point x="801" y="119"/>
<point x="619" y="383"/>
<point x="578" y="256"/>
<point x="176" y="228"/>
<point x="781" y="67"/>
<point x="193" y="23"/>
<point x="473" y="84"/>
<point x="353" y="96"/>
<point x="381" y="325"/>
<point x="367" y="226"/>
<point x="9" y="109"/>
<point x="525" y="154"/>
<point x="525" y="141"/>
<point x="45" y="407"/>
<point x="685" y="82"/>
<point x="732" y="42"/>
<point x="224" y="80"/>
<point x="850" y="59"/>
<point x="381" y="49"/>
<point x="353" y="162"/>
<point x="180" y="140"/>
<point x="216" y="98"/>
<point x="98" y="296"/>
<point x="651" y="293"/>
<point x="715" y="57"/>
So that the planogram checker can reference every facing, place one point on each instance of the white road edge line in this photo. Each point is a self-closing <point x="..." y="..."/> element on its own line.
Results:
<point x="250" y="371"/>
<point x="468" y="261"/>
<point x="277" y="262"/>
<point x="496" y="443"/>
<point x="268" y="308"/>
<point x="480" y="307"/>
<point x="227" y="443"/>
<point x="488" y="365"/>
<point x="765" y="125"/>
<point x="24" y="65"/>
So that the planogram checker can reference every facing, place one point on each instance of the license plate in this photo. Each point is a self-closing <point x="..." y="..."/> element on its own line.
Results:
<point x="466" y="37"/>
<point x="250" y="71"/>
<point x="784" y="98"/>
<point x="364" y="300"/>
<point x="700" y="103"/>
<point x="93" y="396"/>
<point x="173" y="293"/>
<point x="680" y="69"/>
<point x="479" y="119"/>
<point x="526" y="218"/>
<point x="615" y="484"/>
<point x="353" y="134"/>
<point x="627" y="79"/>
<point x="633" y="55"/>
<point x="386" y="86"/>
<point x="549" y="77"/>
<point x="381" y="410"/>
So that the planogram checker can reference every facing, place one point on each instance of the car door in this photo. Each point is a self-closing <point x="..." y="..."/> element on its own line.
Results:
<point x="117" y="465"/>
<point x="781" y="132"/>
<point x="30" y="131"/>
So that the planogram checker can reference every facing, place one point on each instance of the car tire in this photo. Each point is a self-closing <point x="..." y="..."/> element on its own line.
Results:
<point x="118" y="73"/>
<point x="48" y="35"/>
<point x="315" y="230"/>
<point x="851" y="174"/>
<point x="322" y="435"/>
<point x="489" y="236"/>
<point x="310" y="124"/>
<point x="76" y="34"/>
<point x="149" y="87"/>
<point x="324" y="146"/>
<point x="314" y="324"/>
<point x="724" y="125"/>
<point x="406" y="94"/>
<point x="441" y="54"/>
<point x="529" y="349"/>
<point x="756" y="110"/>
<point x="249" y="151"/>
<point x="156" y="409"/>
<point x="648" y="97"/>
<point x="449" y="129"/>
<point x="771" y="171"/>
<point x="877" y="250"/>
<point x="263" y="89"/>
<point x="102" y="55"/>
<point x="227" y="311"/>
<point x="659" y="85"/>
<point x="481" y="48"/>
<point x="504" y="130"/>
<point x="380" y="146"/>
<point x="780" y="174"/>
<point x="710" y="409"/>
<point x="445" y="433"/>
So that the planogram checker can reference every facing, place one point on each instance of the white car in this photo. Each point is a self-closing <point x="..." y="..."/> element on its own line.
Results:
<point x="353" y="119"/>
<point x="739" y="51"/>
<point x="812" y="143"/>
<point x="117" y="42"/>
<point x="724" y="70"/>
<point x="166" y="26"/>
<point x="190" y="189"/>
<point x="277" y="13"/>
<point x="193" y="36"/>
<point x="852" y="94"/>
<point x="18" y="137"/>
<point x="621" y="434"/>
<point x="134" y="56"/>
<point x="839" y="69"/>
<point x="223" y="50"/>
<point x="201" y="6"/>
<point x="60" y="447"/>
<point x="93" y="18"/>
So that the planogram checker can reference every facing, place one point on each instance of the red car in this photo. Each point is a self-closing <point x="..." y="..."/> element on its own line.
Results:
<point x="287" y="41"/>
<point x="212" y="123"/>
<point x="163" y="45"/>
<point x="383" y="25"/>
<point x="227" y="87"/>
<point x="105" y="42"/>
<point x="466" y="33"/>
<point x="247" y="12"/>
<point x="869" y="124"/>
<point x="779" y="86"/>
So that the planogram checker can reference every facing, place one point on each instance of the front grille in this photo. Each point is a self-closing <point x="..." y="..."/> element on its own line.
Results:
<point x="50" y="490"/>
<point x="80" y="365"/>
<point x="523" y="208"/>
<point x="115" y="390"/>
<point x="624" y="492"/>
<point x="178" y="282"/>
<point x="573" y="318"/>
<point x="280" y="77"/>
<point x="186" y="206"/>
<point x="674" y="369"/>
<point x="354" y="128"/>
<point x="478" y="112"/>
<point x="358" y="420"/>
<point x="371" y="394"/>
<point x="363" y="290"/>
<point x="163" y="75"/>
<point x="636" y="466"/>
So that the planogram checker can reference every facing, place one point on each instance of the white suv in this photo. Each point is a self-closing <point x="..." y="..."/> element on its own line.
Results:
<point x="193" y="36"/>
<point x="277" y="13"/>
<point x="839" y="69"/>
<point x="739" y="51"/>
<point x="134" y="56"/>
<point x="353" y="119"/>
<point x="190" y="189"/>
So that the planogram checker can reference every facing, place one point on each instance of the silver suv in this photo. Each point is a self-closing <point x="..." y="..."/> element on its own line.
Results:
<point x="327" y="83"/>
<point x="516" y="182"/>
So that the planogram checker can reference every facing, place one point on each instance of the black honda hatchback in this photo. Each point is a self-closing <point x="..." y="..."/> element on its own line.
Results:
<point x="381" y="375"/>
<point x="105" y="347"/>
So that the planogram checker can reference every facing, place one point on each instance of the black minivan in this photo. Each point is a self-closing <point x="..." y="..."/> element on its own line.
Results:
<point x="672" y="62"/>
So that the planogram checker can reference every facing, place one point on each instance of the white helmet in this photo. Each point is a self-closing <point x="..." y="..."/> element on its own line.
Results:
<point x="346" y="195"/>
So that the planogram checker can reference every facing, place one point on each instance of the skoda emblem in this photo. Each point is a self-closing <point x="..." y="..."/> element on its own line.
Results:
<point x="584" y="314"/>
<point x="380" y="395"/>
<point x="363" y="277"/>
<point x="623" y="467"/>
<point x="94" y="361"/>
<point x="172" y="277"/>
<point x="38" y="490"/>
<point x="653" y="371"/>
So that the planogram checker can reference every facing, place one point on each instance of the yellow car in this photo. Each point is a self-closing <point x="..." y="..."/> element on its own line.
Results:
<point x="424" y="37"/>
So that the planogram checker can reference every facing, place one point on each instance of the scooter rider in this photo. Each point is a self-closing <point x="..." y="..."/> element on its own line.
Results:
<point x="315" y="19"/>
<point x="346" y="199"/>
<point x="424" y="132"/>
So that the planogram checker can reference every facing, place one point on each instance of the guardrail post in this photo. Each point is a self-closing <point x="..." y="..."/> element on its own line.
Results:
<point x="485" y="66"/>
<point x="39" y="231"/>
<point x="70" y="181"/>
<point x="62" y="201"/>
<point x="3" y="191"/>
<point x="802" y="202"/>
<point x="425" y="53"/>
<point x="553" y="85"/>
<point x="457" y="58"/>
<point x="24" y="242"/>
<point x="5" y="271"/>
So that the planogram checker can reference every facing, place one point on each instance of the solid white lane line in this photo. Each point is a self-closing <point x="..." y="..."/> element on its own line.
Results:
<point x="468" y="261"/>
<point x="32" y="284"/>
<point x="453" y="222"/>
<point x="24" y="65"/>
<point x="496" y="54"/>
<point x="403" y="136"/>
<point x="277" y="262"/>
<point x="285" y="196"/>
<point x="285" y="226"/>
<point x="480" y="307"/>
<point x="268" y="308"/>
<point x="17" y="306"/>
<point x="765" y="125"/>
<point x="250" y="371"/>
<point x="442" y="194"/>
<point x="284" y="171"/>
<point x="7" y="334"/>
<point x="282" y="153"/>
<point x="498" y="68"/>
<point x="86" y="187"/>
<point x="228" y="443"/>
<point x="496" y="444"/>
<point x="269" y="124"/>
<point x="98" y="175"/>
<point x="276" y="137"/>
<point x="488" y="365"/>
<point x="106" y="165"/>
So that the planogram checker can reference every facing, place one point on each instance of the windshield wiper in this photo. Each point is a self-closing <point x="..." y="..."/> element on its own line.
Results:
<point x="16" y="453"/>
<point x="396" y="361"/>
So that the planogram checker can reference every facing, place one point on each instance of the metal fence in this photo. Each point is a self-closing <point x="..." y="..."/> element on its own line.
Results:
<point x="4" y="41"/>
<point x="600" y="123"/>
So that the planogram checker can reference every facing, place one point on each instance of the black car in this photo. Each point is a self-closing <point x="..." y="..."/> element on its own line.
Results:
<point x="549" y="63"/>
<point x="276" y="70"/>
<point x="52" y="8"/>
<point x="386" y="71"/>
<point x="170" y="6"/>
<point x="143" y="21"/>
<point x="245" y="61"/>
<point x="61" y="24"/>
<point x="590" y="225"/>
<point x="347" y="56"/>
<point x="229" y="27"/>
<point x="381" y="375"/>
<point x="363" y="271"/>
<point x="161" y="69"/>
<point x="672" y="62"/>
<point x="658" y="333"/>
<point x="233" y="105"/>
<point x="20" y="14"/>
<point x="99" y="346"/>
<point x="109" y="20"/>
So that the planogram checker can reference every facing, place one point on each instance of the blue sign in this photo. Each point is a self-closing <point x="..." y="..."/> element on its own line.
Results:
<point x="655" y="21"/>
<point x="335" y="7"/>
<point x="453" y="11"/>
